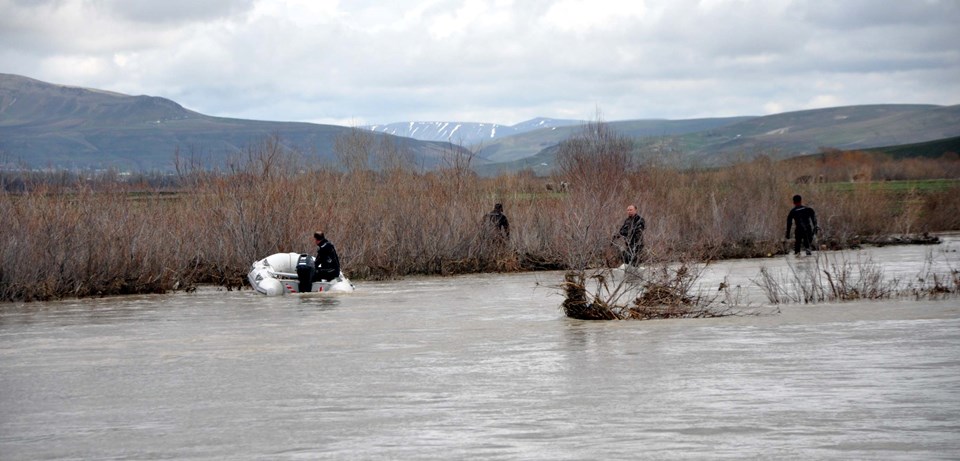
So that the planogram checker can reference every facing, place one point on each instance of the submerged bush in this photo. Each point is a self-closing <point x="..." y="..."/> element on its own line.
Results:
<point x="657" y="291"/>
<point x="840" y="277"/>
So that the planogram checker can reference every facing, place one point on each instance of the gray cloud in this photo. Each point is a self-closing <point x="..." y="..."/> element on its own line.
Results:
<point x="497" y="61"/>
<point x="171" y="11"/>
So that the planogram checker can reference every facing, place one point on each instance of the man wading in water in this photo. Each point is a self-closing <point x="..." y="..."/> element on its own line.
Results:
<point x="632" y="233"/>
<point x="806" y="220"/>
<point x="498" y="224"/>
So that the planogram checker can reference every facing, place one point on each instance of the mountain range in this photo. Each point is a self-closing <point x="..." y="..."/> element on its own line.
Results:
<point x="722" y="141"/>
<point x="45" y="125"/>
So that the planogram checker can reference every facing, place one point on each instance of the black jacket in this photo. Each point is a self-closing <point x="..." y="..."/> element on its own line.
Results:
<point x="498" y="221"/>
<point x="632" y="230"/>
<point x="327" y="258"/>
<point x="806" y="221"/>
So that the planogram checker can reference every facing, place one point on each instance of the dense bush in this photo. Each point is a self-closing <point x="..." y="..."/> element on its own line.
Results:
<point x="85" y="237"/>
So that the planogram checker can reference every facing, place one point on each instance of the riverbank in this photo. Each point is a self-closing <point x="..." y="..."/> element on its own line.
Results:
<point x="95" y="239"/>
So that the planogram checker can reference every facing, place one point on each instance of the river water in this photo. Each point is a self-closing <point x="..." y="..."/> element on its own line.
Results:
<point x="484" y="367"/>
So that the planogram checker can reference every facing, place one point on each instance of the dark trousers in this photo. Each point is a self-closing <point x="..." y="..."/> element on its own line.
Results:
<point x="631" y="255"/>
<point x="805" y="240"/>
<point x="325" y="274"/>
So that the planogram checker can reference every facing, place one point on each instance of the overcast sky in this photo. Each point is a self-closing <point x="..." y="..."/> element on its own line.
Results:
<point x="500" y="61"/>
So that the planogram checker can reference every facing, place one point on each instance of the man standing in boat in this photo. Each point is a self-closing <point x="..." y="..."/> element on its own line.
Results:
<point x="327" y="261"/>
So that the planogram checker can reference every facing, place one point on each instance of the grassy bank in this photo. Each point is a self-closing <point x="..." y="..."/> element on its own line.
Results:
<point x="88" y="239"/>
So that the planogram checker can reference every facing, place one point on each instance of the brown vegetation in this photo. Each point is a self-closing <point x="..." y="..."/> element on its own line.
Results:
<point x="656" y="291"/>
<point x="388" y="218"/>
<point x="834" y="165"/>
<point x="838" y="277"/>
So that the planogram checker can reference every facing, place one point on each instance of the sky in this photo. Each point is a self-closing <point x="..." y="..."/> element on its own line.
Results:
<point x="363" y="62"/>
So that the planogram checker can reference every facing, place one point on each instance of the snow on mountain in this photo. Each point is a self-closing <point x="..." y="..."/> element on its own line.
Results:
<point x="468" y="134"/>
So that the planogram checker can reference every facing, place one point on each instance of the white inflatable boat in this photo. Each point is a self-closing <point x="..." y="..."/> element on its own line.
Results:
<point x="280" y="274"/>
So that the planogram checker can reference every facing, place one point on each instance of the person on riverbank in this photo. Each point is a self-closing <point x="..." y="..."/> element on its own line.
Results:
<point x="498" y="223"/>
<point x="632" y="234"/>
<point x="327" y="262"/>
<point x="806" y="220"/>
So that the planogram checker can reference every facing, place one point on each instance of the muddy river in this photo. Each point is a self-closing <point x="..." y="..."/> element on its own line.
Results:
<point x="482" y="367"/>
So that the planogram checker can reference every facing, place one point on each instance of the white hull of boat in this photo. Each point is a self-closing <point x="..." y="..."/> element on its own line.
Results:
<point x="276" y="275"/>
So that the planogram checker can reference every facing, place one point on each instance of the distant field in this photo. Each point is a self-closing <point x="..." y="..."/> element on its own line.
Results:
<point x="930" y="149"/>
<point x="922" y="185"/>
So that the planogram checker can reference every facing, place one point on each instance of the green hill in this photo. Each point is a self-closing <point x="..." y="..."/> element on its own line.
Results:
<point x="805" y="132"/>
<point x="43" y="125"/>
<point x="717" y="142"/>
<point x="527" y="145"/>
<point x="931" y="149"/>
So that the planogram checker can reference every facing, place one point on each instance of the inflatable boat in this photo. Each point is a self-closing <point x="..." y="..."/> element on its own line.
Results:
<point x="292" y="273"/>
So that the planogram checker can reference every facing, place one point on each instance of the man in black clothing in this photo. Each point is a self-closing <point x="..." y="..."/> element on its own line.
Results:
<point x="498" y="222"/>
<point x="806" y="221"/>
<point x="632" y="233"/>
<point x="327" y="261"/>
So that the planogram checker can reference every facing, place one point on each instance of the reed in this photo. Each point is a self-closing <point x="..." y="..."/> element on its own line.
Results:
<point x="841" y="276"/>
<point x="67" y="235"/>
<point x="824" y="278"/>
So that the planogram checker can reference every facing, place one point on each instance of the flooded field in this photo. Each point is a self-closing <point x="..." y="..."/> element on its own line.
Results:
<point x="482" y="366"/>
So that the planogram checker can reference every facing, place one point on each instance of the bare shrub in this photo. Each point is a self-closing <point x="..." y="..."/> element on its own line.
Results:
<point x="658" y="291"/>
<point x="598" y="161"/>
<point x="931" y="283"/>
<point x="249" y="211"/>
<point x="717" y="214"/>
<point x="577" y="302"/>
<point x="939" y="210"/>
<point x="83" y="243"/>
<point x="862" y="279"/>
<point x="825" y="278"/>
<point x="355" y="149"/>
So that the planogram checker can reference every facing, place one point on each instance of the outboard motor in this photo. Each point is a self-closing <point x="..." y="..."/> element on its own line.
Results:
<point x="305" y="272"/>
